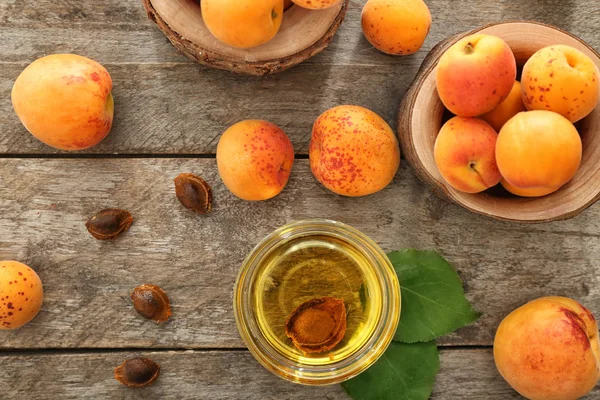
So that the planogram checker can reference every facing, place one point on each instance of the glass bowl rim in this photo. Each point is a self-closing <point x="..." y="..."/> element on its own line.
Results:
<point x="355" y="363"/>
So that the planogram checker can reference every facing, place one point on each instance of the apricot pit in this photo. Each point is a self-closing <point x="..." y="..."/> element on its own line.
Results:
<point x="137" y="372"/>
<point x="109" y="223"/>
<point x="151" y="302"/>
<point x="193" y="193"/>
<point x="317" y="325"/>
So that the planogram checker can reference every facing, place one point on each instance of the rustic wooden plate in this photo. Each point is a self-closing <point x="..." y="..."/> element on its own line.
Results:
<point x="421" y="115"/>
<point x="303" y="34"/>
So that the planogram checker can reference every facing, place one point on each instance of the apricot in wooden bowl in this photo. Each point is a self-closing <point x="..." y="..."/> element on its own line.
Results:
<point x="302" y="34"/>
<point x="422" y="115"/>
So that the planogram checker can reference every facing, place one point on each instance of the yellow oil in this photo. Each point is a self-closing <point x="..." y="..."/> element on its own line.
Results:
<point x="308" y="267"/>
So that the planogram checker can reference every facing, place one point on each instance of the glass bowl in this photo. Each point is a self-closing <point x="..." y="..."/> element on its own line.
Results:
<point x="379" y="294"/>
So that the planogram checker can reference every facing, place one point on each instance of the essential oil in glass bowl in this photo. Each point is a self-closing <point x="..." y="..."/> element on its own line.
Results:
<point x="311" y="267"/>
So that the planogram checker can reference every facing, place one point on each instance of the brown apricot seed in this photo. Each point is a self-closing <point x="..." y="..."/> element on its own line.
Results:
<point x="151" y="302"/>
<point x="137" y="372"/>
<point x="109" y="223"/>
<point x="317" y="325"/>
<point x="193" y="193"/>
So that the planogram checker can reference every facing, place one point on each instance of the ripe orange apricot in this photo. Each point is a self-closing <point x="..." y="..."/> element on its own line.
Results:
<point x="396" y="27"/>
<point x="316" y="4"/>
<point x="21" y="294"/>
<point x="475" y="75"/>
<point x="547" y="349"/>
<point x="242" y="23"/>
<point x="353" y="151"/>
<point x="504" y="111"/>
<point x="538" y="152"/>
<point x="562" y="79"/>
<point x="255" y="159"/>
<point x="464" y="153"/>
<point x="65" y="101"/>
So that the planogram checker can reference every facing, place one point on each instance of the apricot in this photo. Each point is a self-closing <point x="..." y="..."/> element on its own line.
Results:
<point x="316" y="4"/>
<point x="547" y="349"/>
<point x="475" y="75"/>
<point x="562" y="79"/>
<point x="353" y="151"/>
<point x="396" y="27"/>
<point x="65" y="101"/>
<point x="527" y="192"/>
<point x="504" y="111"/>
<point x="242" y="23"/>
<point x="21" y="294"/>
<point x="464" y="153"/>
<point x="255" y="159"/>
<point x="538" y="152"/>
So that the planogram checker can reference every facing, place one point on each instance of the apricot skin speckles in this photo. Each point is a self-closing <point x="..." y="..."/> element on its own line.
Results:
<point x="353" y="152"/>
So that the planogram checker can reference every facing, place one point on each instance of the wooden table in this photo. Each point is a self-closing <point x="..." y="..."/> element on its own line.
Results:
<point x="169" y="115"/>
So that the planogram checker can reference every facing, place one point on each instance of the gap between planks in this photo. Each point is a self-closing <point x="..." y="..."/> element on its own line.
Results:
<point x="120" y="156"/>
<point x="92" y="350"/>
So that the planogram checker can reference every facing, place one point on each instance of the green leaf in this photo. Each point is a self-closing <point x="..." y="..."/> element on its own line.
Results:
<point x="404" y="372"/>
<point x="433" y="299"/>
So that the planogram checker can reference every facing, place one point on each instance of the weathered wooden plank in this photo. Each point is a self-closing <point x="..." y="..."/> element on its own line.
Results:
<point x="196" y="258"/>
<point x="464" y="374"/>
<point x="184" y="108"/>
<point x="34" y="28"/>
<point x="170" y="105"/>
<point x="448" y="14"/>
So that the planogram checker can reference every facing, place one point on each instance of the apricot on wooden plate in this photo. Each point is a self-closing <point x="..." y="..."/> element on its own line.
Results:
<point x="242" y="23"/>
<point x="510" y="106"/>
<point x="537" y="152"/>
<point x="475" y="75"/>
<point x="465" y="154"/>
<point x="562" y="79"/>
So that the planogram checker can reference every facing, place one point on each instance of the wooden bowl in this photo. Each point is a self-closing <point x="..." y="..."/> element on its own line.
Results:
<point x="421" y="116"/>
<point x="303" y="34"/>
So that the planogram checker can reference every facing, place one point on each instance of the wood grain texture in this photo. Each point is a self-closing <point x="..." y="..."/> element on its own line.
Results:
<point x="184" y="108"/>
<point x="302" y="35"/>
<point x="467" y="374"/>
<point x="167" y="104"/>
<point x="195" y="258"/>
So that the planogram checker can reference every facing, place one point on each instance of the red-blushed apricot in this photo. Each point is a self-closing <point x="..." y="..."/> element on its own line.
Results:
<point x="475" y="75"/>
<point x="547" y="349"/>
<point x="65" y="101"/>
<point x="353" y="151"/>
<point x="255" y="159"/>
<point x="465" y="155"/>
